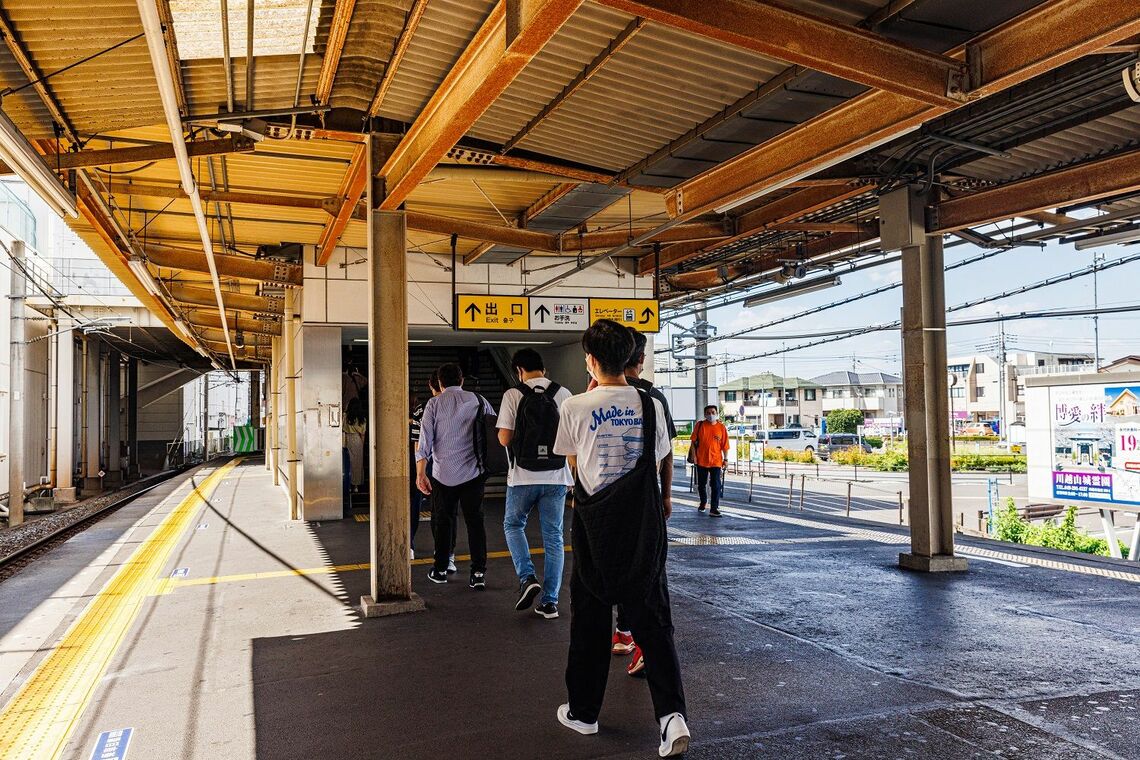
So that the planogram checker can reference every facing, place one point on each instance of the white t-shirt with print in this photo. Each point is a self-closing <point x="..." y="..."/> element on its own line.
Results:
<point x="520" y="476"/>
<point x="602" y="428"/>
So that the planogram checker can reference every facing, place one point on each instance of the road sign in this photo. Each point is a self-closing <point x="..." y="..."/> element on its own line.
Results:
<point x="493" y="313"/>
<point x="555" y="313"/>
<point x="245" y="439"/>
<point x="641" y="313"/>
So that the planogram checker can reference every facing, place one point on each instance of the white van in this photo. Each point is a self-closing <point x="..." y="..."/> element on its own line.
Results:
<point x="794" y="439"/>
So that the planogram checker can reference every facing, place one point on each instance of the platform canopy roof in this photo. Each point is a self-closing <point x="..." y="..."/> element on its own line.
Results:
<point x="716" y="143"/>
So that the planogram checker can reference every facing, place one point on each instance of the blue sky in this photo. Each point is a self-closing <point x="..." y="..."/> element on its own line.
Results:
<point x="880" y="351"/>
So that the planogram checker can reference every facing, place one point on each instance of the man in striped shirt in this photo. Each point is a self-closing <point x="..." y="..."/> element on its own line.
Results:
<point x="456" y="481"/>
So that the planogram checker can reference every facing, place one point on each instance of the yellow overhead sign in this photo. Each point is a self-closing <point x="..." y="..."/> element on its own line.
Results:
<point x="553" y="313"/>
<point x="492" y="313"/>
<point x="641" y="313"/>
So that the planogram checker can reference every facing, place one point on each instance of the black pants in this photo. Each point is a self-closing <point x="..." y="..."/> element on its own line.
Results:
<point x="588" y="664"/>
<point x="703" y="476"/>
<point x="445" y="504"/>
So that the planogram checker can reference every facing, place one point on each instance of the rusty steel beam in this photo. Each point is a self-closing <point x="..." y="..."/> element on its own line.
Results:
<point x="1085" y="182"/>
<point x="351" y="190"/>
<point x="592" y="68"/>
<point x="330" y="63"/>
<point x="24" y="61"/>
<point x="1044" y="38"/>
<point x="670" y="256"/>
<point x="257" y="270"/>
<point x="816" y="227"/>
<point x="219" y="196"/>
<point x="592" y="241"/>
<point x="491" y="233"/>
<point x="214" y="335"/>
<point x="172" y="58"/>
<point x="783" y="210"/>
<point x="545" y="202"/>
<point x="513" y="34"/>
<point x="530" y="162"/>
<point x="475" y="255"/>
<point x="399" y="50"/>
<point x="812" y="41"/>
<point x="210" y="319"/>
<point x="233" y="301"/>
<point x="142" y="153"/>
<point x="254" y="352"/>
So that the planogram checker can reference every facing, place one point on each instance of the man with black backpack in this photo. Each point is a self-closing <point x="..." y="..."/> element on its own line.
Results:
<point x="537" y="480"/>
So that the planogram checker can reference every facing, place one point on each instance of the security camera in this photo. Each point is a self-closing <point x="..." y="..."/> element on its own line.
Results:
<point x="1131" y="77"/>
<point x="254" y="129"/>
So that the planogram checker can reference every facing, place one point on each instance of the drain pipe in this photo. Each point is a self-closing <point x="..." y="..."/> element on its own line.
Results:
<point x="152" y="27"/>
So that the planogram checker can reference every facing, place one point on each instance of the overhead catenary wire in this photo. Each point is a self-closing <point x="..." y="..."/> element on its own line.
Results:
<point x="844" y="334"/>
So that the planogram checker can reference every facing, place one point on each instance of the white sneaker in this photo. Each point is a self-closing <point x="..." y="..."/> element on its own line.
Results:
<point x="451" y="568"/>
<point x="411" y="553"/>
<point x="570" y="722"/>
<point x="674" y="735"/>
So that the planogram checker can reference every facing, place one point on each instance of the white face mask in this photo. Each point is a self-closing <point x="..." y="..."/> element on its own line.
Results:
<point x="710" y="418"/>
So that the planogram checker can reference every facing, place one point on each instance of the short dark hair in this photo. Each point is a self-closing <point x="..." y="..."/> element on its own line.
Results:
<point x="448" y="375"/>
<point x="528" y="360"/>
<point x="433" y="381"/>
<point x="638" y="354"/>
<point x="710" y="406"/>
<point x="610" y="344"/>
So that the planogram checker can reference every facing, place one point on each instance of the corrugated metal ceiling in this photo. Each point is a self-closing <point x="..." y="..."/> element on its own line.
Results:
<point x="367" y="48"/>
<point x="278" y="26"/>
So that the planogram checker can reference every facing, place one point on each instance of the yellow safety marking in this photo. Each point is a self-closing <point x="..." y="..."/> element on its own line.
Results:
<point x="363" y="517"/>
<point x="38" y="721"/>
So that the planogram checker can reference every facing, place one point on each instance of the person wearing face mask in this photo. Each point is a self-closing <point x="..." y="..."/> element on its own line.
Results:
<point x="537" y="479"/>
<point x="710" y="445"/>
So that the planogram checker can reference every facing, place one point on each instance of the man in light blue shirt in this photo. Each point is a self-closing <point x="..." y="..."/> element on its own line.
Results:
<point x="538" y="399"/>
<point x="456" y="480"/>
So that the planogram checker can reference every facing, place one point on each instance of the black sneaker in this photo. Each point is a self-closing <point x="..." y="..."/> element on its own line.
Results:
<point x="700" y="507"/>
<point x="436" y="576"/>
<point x="548" y="610"/>
<point x="528" y="590"/>
<point x="714" y="512"/>
<point x="477" y="580"/>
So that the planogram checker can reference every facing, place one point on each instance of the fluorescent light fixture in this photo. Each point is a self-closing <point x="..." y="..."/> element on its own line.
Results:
<point x="516" y="342"/>
<point x="30" y="166"/>
<point x="1096" y="241"/>
<point x="796" y="289"/>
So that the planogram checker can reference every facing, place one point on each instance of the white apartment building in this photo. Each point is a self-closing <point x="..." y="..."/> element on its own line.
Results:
<point x="982" y="390"/>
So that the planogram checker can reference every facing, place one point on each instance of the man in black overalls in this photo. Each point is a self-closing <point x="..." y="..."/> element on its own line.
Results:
<point x="616" y="440"/>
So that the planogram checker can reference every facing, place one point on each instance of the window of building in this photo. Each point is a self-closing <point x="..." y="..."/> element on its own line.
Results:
<point x="959" y="368"/>
<point x="957" y="392"/>
<point x="981" y="391"/>
<point x="1040" y="362"/>
<point x="980" y="368"/>
<point x="891" y="392"/>
<point x="789" y="394"/>
<point x="730" y="395"/>
<point x="809" y="394"/>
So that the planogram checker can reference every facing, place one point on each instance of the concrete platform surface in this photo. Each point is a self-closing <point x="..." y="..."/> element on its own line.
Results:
<point x="799" y="637"/>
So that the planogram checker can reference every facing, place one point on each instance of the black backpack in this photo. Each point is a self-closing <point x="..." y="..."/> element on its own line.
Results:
<point x="536" y="427"/>
<point x="490" y="455"/>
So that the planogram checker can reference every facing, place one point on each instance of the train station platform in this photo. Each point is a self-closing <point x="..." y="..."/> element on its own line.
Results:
<point x="199" y="622"/>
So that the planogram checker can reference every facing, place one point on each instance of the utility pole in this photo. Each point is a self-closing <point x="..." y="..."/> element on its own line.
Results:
<point x="1002" y="392"/>
<point x="16" y="389"/>
<point x="700" y="363"/>
<point x="1098" y="259"/>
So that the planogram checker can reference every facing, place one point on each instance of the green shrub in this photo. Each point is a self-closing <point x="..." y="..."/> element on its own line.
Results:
<point x="785" y="455"/>
<point x="891" y="461"/>
<point x="873" y="441"/>
<point x="1009" y="526"/>
<point x="988" y="462"/>
<point x="977" y="438"/>
<point x="852" y="457"/>
<point x="844" y="420"/>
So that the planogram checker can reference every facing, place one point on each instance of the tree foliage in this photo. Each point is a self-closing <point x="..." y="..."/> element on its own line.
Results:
<point x="844" y="421"/>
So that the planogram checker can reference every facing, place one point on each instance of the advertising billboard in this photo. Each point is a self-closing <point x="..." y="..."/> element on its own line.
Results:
<point x="1084" y="442"/>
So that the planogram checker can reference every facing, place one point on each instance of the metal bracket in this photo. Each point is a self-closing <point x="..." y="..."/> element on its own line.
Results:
<point x="958" y="83"/>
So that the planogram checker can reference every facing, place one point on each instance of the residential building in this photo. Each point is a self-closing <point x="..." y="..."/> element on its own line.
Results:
<point x="1123" y="364"/>
<point x="768" y="400"/>
<point x="982" y="390"/>
<point x="878" y="395"/>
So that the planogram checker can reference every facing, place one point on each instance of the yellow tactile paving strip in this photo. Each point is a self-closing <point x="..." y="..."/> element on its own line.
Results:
<point x="41" y="716"/>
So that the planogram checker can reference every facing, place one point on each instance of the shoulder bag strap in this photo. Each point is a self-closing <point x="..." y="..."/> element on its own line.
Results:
<point x="648" y="429"/>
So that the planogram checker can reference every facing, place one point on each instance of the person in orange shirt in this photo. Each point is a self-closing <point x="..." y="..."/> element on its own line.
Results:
<point x="710" y="444"/>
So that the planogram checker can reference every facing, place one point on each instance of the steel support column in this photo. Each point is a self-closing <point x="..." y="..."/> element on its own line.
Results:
<point x="255" y="406"/>
<point x="927" y="397"/>
<point x="64" y="402"/>
<point x="17" y="352"/>
<point x="133" y="469"/>
<point x="114" y="431"/>
<point x="388" y="489"/>
<point x="290" y="339"/>
<point x="92" y="398"/>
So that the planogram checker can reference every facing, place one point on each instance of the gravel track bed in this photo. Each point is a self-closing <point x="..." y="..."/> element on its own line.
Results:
<point x="66" y="522"/>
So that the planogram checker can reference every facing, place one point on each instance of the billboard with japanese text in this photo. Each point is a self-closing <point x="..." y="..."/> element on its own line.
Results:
<point x="1085" y="443"/>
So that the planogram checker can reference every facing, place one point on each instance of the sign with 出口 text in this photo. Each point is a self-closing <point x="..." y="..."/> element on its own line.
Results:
<point x="553" y="313"/>
<point x="492" y="312"/>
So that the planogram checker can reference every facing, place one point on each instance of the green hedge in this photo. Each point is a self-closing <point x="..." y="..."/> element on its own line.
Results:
<point x="1009" y="526"/>
<point x="895" y="460"/>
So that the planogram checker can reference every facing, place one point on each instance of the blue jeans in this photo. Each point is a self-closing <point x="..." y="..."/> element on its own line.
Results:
<point x="551" y="503"/>
<point x="716" y="475"/>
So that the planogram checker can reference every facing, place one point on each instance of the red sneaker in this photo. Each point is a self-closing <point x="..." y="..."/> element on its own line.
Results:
<point x="622" y="643"/>
<point x="637" y="664"/>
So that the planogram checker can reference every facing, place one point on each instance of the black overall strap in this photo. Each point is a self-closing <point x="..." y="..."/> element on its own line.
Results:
<point x="648" y="429"/>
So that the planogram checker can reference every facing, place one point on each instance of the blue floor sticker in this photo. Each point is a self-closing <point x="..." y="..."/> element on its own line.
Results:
<point x="112" y="745"/>
<point x="181" y="572"/>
